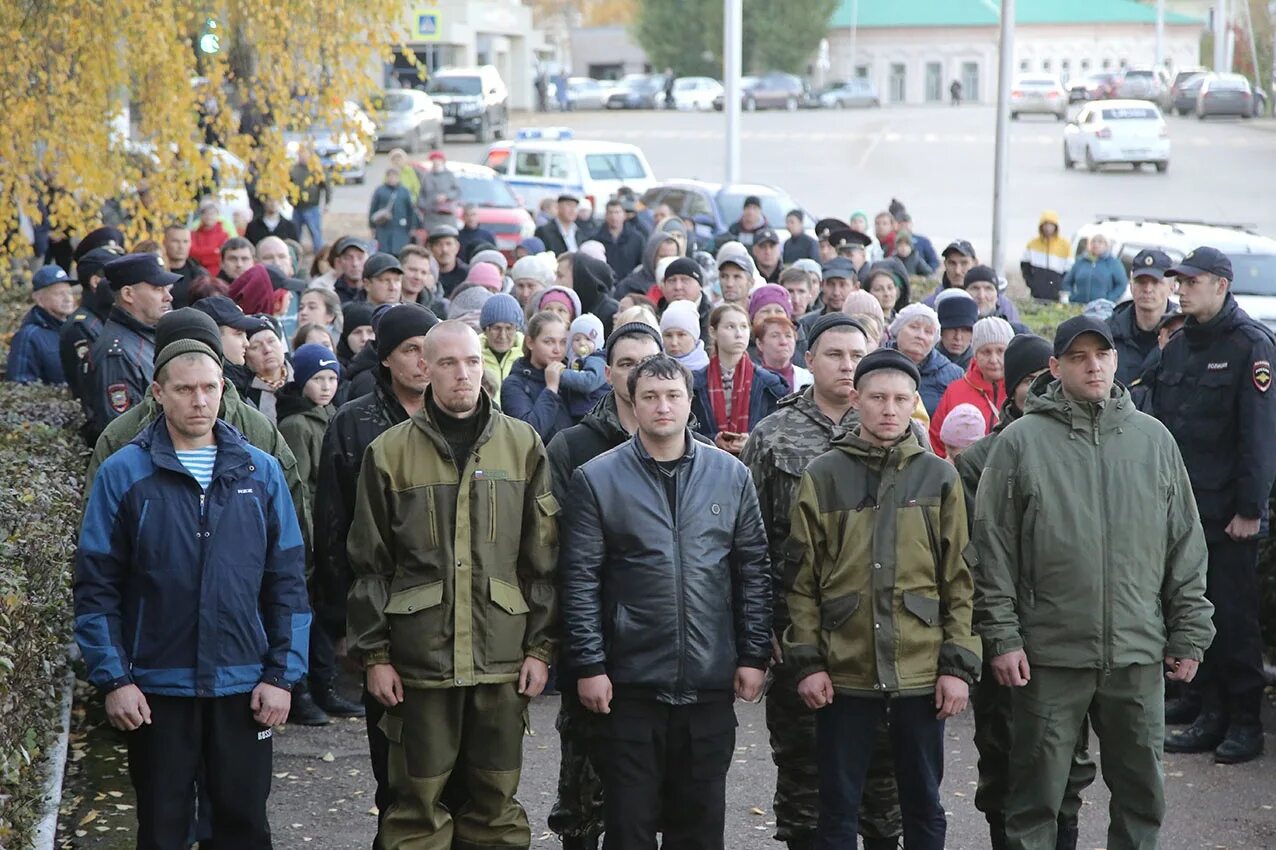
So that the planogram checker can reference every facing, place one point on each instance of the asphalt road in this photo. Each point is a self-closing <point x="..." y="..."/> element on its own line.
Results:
<point x="938" y="161"/>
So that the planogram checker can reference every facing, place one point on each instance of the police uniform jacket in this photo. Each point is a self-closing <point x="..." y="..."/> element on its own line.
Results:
<point x="122" y="363"/>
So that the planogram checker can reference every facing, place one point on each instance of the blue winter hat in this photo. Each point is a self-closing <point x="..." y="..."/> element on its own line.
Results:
<point x="501" y="307"/>
<point x="311" y="359"/>
<point x="533" y="245"/>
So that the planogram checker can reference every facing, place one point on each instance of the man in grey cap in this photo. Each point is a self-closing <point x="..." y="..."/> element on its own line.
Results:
<point x="562" y="234"/>
<point x="445" y="244"/>
<point x="348" y="256"/>
<point x="382" y="280"/>
<point x="766" y="254"/>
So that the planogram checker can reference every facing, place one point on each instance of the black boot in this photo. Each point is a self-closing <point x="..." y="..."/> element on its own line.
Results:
<point x="802" y="841"/>
<point x="580" y="842"/>
<point x="304" y="712"/>
<point x="1067" y="834"/>
<point x="881" y="843"/>
<point x="1182" y="710"/>
<point x="996" y="829"/>
<point x="1243" y="742"/>
<point x="1206" y="733"/>
<point x="335" y="705"/>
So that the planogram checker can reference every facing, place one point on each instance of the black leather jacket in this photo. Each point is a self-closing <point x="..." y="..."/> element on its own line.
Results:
<point x="669" y="609"/>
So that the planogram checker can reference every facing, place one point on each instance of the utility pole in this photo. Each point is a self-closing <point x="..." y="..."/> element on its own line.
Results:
<point x="1160" y="33"/>
<point x="1001" y="162"/>
<point x="855" y="29"/>
<point x="1220" y="37"/>
<point x="732" y="53"/>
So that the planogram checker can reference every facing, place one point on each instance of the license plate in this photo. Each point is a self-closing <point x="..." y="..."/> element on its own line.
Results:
<point x="449" y="120"/>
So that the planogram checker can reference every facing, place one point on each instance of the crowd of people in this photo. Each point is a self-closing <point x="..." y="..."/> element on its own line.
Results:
<point x="659" y="479"/>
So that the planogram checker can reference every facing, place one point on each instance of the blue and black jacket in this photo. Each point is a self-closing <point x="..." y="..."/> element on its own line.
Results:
<point x="184" y="593"/>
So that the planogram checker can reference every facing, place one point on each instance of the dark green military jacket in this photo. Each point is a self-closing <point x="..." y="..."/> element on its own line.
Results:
<point x="881" y="597"/>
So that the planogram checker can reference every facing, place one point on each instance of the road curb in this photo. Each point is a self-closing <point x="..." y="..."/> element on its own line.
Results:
<point x="47" y="829"/>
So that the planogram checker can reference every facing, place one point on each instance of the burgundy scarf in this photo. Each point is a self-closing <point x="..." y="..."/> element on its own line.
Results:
<point x="741" y="386"/>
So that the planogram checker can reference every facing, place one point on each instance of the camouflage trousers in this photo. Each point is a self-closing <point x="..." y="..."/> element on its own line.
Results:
<point x="578" y="811"/>
<point x="797" y="781"/>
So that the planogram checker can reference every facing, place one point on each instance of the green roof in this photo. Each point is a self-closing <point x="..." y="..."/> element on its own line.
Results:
<point x="987" y="13"/>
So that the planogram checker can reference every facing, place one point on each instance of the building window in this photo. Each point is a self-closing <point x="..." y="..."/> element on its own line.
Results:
<point x="970" y="81"/>
<point x="1024" y="66"/>
<point x="861" y="71"/>
<point x="1045" y="65"/>
<point x="1085" y="64"/>
<point x="1107" y="63"/>
<point x="934" y="82"/>
<point x="1065" y="70"/>
<point x="899" y="82"/>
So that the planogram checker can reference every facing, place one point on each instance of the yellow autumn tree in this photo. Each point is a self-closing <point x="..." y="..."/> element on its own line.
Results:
<point x="106" y="108"/>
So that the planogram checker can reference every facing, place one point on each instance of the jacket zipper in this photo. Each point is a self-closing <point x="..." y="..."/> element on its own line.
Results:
<point x="678" y="577"/>
<point x="431" y="519"/>
<point x="491" y="511"/>
<point x="1103" y="560"/>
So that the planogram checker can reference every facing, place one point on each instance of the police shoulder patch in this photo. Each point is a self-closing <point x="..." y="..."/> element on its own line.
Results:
<point x="1262" y="375"/>
<point x="81" y="348"/>
<point x="117" y="397"/>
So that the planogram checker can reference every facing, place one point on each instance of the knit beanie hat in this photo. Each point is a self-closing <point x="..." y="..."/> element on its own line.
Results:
<point x="485" y="275"/>
<point x="593" y="248"/>
<point x="958" y="310"/>
<point x="501" y="307"/>
<point x="1025" y="354"/>
<point x="311" y="359"/>
<point x="400" y="322"/>
<point x="963" y="426"/>
<point x="178" y="347"/>
<point x="862" y="303"/>
<point x="589" y="325"/>
<point x="633" y="328"/>
<point x="683" y="316"/>
<point x="533" y="245"/>
<point x="917" y="311"/>
<point x="469" y="298"/>
<point x="533" y="266"/>
<point x="494" y="258"/>
<point x="187" y="323"/>
<point x="770" y="293"/>
<point x="562" y="295"/>
<point x="990" y="330"/>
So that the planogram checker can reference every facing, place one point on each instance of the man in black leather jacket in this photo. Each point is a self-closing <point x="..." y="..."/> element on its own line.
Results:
<point x="666" y="614"/>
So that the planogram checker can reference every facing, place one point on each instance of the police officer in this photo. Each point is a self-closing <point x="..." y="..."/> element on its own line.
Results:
<point x="1212" y="390"/>
<point x="121" y="361"/>
<point x="825" y="228"/>
<point x="82" y="329"/>
<point x="1135" y="323"/>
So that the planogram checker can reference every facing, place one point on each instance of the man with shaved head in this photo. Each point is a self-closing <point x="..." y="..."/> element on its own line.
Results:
<point x="273" y="251"/>
<point x="453" y="609"/>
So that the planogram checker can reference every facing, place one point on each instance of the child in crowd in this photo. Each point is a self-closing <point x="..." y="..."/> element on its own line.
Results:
<point x="680" y="328"/>
<point x="962" y="428"/>
<point x="585" y="377"/>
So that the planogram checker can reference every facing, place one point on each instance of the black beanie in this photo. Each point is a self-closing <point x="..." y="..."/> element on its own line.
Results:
<point x="403" y="321"/>
<point x="633" y="329"/>
<point x="187" y="323"/>
<point x="1025" y="354"/>
<point x="355" y="315"/>
<point x="886" y="358"/>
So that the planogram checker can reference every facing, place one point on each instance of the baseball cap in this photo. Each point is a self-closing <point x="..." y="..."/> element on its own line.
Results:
<point x="226" y="313"/>
<point x="1203" y="260"/>
<point x="379" y="263"/>
<point x="766" y="234"/>
<point x="1078" y="326"/>
<point x="443" y="231"/>
<point x="960" y="246"/>
<point x="1150" y="263"/>
<point x="133" y="269"/>
<point x="345" y="243"/>
<point x="838" y="268"/>
<point x="47" y="276"/>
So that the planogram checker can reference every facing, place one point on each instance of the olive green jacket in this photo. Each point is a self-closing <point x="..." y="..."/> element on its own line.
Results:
<point x="454" y="563"/>
<point x="235" y="412"/>
<point x="303" y="431"/>
<point x="1087" y="547"/>
<point x="881" y="597"/>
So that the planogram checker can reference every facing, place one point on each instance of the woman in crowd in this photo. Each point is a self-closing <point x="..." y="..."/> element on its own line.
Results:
<point x="1096" y="274"/>
<point x="255" y="294"/>
<point x="915" y="332"/>
<point x="320" y="307"/>
<point x="540" y="390"/>
<point x="887" y="281"/>
<point x="983" y="384"/>
<point x="208" y="237"/>
<point x="271" y="368"/>
<point x="532" y="273"/>
<point x="731" y="394"/>
<point x="501" y="323"/>
<point x="776" y="339"/>
<point x="311" y="333"/>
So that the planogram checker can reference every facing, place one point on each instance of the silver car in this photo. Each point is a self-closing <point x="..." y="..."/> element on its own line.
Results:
<point x="1038" y="95"/>
<point x="1225" y="94"/>
<point x="408" y="119"/>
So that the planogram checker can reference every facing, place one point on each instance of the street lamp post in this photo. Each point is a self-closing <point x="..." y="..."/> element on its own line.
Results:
<point x="732" y="53"/>
<point x="1001" y="162"/>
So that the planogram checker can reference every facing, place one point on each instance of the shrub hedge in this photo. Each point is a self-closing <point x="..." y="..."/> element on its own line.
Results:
<point x="42" y="463"/>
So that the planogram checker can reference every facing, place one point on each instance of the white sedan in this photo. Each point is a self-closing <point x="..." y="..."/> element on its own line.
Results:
<point x="1109" y="131"/>
<point x="695" y="93"/>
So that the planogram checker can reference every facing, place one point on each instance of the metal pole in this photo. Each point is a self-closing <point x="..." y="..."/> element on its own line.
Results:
<point x="1220" y="36"/>
<point x="1253" y="45"/>
<point x="855" y="30"/>
<point x="1001" y="162"/>
<point x="732" y="59"/>
<point x="1160" y="33"/>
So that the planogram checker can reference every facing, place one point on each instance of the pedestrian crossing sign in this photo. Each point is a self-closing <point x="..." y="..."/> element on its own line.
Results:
<point x="425" y="24"/>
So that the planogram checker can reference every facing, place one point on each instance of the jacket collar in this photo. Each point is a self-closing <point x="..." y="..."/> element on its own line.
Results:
<point x="423" y="420"/>
<point x="43" y="318"/>
<point x="232" y="458"/>
<point x="688" y="453"/>
<point x="1046" y="398"/>
<point x="850" y="442"/>
<point x="120" y="316"/>
<point x="804" y="402"/>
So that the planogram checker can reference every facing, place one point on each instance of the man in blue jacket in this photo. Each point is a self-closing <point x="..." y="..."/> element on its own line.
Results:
<point x="191" y="609"/>
<point x="33" y="354"/>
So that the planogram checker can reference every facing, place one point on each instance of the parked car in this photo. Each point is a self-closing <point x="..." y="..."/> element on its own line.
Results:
<point x="714" y="207"/>
<point x="1093" y="87"/>
<point x="544" y="162"/>
<point x="1225" y="94"/>
<point x="474" y="101"/>
<point x="1143" y="84"/>
<point x="638" y="91"/>
<point x="1038" y="95"/>
<point x="341" y="148"/>
<point x="1253" y="256"/>
<point x="775" y="90"/>
<point x="1184" y="93"/>
<point x="1111" y="131"/>
<point x="500" y="210"/>
<point x="586" y="93"/>
<point x="1260" y="102"/>
<point x="695" y="93"/>
<point x="408" y="119"/>
<point x="855" y="92"/>
<point x="745" y="82"/>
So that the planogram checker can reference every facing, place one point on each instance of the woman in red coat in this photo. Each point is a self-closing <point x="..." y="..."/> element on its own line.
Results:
<point x="983" y="385"/>
<point x="207" y="238"/>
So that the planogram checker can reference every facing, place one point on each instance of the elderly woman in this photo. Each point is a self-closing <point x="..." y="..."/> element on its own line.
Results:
<point x="983" y="385"/>
<point x="532" y="273"/>
<point x="1096" y="274"/>
<point x="271" y="369"/>
<point x="915" y="332"/>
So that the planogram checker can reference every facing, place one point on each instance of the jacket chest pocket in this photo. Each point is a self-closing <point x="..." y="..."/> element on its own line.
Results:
<point x="496" y="505"/>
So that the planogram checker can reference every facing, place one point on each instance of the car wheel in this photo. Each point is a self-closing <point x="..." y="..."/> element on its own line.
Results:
<point x="484" y="134"/>
<point x="1162" y="167"/>
<point x="1200" y="116"/>
<point x="791" y="104"/>
<point x="1068" y="163"/>
<point x="750" y="105"/>
<point x="838" y="103"/>
<point x="1090" y="164"/>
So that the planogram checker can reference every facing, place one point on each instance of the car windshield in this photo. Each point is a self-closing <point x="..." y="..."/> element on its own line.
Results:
<point x="1131" y="113"/>
<point x="1229" y="84"/>
<point x="396" y="102"/>
<point x="455" y="85"/>
<point x="774" y="205"/>
<point x="1037" y="82"/>
<point x="614" y="166"/>
<point x="485" y="192"/>
<point x="1132" y="75"/>
<point x="1255" y="274"/>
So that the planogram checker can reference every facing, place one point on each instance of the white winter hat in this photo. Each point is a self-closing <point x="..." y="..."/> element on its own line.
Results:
<point x="533" y="267"/>
<point x="913" y="312"/>
<point x="683" y="316"/>
<point x="990" y="330"/>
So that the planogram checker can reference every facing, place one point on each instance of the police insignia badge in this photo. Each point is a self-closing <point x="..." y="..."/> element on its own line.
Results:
<point x="1262" y="375"/>
<point x="117" y="395"/>
<point x="82" y="348"/>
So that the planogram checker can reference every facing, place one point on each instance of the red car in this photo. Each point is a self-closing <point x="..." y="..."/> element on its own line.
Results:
<point x="499" y="210"/>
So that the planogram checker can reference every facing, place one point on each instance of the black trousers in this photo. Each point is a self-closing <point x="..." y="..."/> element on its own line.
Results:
<point x="323" y="659"/>
<point x="235" y="753"/>
<point x="1232" y="675"/>
<point x="664" y="769"/>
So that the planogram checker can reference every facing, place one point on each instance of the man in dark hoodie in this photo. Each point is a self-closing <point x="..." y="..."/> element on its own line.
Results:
<point x="356" y="332"/>
<point x="592" y="282"/>
<point x="359" y="374"/>
<point x="78" y="334"/>
<point x="1027" y="356"/>
<point x="622" y="242"/>
<point x="659" y="245"/>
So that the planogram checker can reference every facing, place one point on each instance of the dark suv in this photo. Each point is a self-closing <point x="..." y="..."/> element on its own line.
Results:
<point x="474" y="100"/>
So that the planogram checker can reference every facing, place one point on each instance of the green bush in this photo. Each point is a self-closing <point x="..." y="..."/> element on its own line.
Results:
<point x="41" y="481"/>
